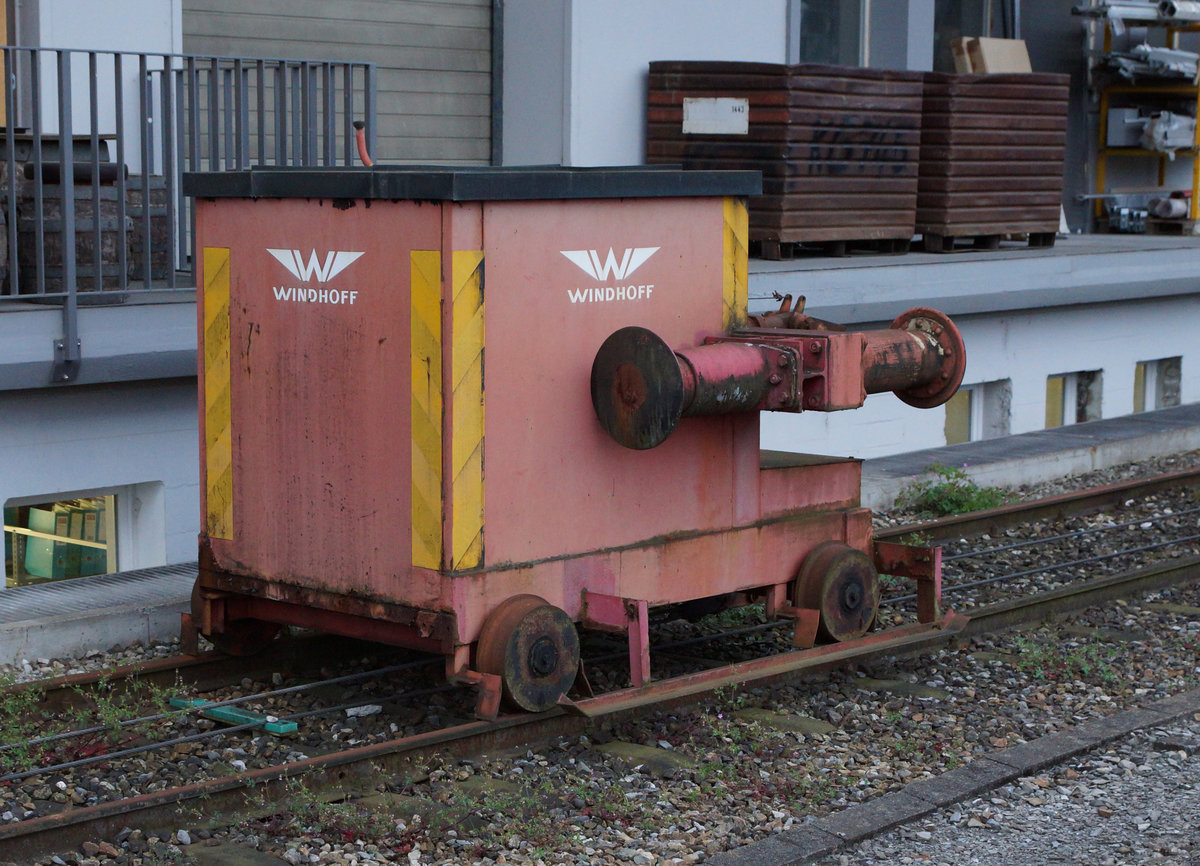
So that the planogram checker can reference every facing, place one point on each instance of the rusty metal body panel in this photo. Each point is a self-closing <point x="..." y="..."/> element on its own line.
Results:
<point x="305" y="373"/>
<point x="556" y="484"/>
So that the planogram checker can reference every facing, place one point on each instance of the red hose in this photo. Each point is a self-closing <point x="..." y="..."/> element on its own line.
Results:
<point x="360" y="136"/>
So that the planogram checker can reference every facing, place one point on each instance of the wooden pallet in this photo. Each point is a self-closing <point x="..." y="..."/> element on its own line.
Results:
<point x="992" y="150"/>
<point x="935" y="243"/>
<point x="775" y="250"/>
<point x="837" y="148"/>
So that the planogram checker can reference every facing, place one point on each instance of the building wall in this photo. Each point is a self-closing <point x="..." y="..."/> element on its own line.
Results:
<point x="1025" y="347"/>
<point x="601" y="67"/>
<point x="137" y="439"/>
<point x="535" y="83"/>
<point x="1056" y="41"/>
<point x="433" y="61"/>
<point x="97" y="25"/>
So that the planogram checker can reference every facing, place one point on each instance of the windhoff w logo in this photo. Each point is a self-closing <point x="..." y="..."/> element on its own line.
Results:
<point x="335" y="262"/>
<point x="609" y="268"/>
<point x="589" y="262"/>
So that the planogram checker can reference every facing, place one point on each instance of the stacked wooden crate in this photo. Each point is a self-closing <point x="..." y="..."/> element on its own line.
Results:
<point x="837" y="146"/>
<point x="992" y="149"/>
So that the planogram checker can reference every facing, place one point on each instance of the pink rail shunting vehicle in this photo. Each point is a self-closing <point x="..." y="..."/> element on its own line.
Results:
<point x="470" y="410"/>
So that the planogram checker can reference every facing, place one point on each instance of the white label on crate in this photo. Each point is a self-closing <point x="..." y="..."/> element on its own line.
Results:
<point x="720" y="116"/>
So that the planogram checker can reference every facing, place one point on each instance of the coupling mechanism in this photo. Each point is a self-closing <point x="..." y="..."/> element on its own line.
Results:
<point x="641" y="388"/>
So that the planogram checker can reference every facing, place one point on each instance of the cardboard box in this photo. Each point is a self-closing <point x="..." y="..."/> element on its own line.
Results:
<point x="961" y="50"/>
<point x="998" y="55"/>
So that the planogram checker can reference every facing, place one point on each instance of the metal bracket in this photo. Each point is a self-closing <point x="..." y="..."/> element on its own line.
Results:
<point x="68" y="355"/>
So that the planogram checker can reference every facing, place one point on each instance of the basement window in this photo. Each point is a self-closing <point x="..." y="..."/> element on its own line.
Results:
<point x="1072" y="398"/>
<point x="59" y="539"/>
<point x="1156" y="384"/>
<point x="979" y="411"/>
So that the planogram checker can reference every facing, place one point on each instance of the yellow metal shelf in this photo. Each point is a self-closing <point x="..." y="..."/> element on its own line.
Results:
<point x="1103" y="151"/>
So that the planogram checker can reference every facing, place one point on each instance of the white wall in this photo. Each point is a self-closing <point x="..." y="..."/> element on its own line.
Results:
<point x="114" y="25"/>
<point x="1025" y="347"/>
<point x="137" y="438"/>
<point x="606" y="48"/>
<point x="147" y="26"/>
<point x="613" y="42"/>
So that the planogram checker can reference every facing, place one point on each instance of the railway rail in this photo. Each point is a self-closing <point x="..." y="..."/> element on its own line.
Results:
<point x="406" y="754"/>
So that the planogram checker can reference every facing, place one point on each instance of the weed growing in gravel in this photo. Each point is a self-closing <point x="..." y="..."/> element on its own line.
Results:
<point x="949" y="491"/>
<point x="336" y="818"/>
<point x="19" y="723"/>
<point x="1051" y="662"/>
<point x="27" y="730"/>
<point x="733" y="752"/>
<point x="735" y="617"/>
<point x="529" y="812"/>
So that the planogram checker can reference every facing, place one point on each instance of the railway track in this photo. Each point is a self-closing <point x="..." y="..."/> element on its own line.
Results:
<point x="407" y="755"/>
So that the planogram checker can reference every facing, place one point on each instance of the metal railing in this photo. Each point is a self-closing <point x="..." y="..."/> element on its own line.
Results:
<point x="134" y="122"/>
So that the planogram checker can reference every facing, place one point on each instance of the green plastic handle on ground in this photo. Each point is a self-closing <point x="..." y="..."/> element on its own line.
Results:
<point x="233" y="715"/>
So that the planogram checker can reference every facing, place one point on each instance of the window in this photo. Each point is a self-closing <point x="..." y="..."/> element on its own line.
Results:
<point x="981" y="411"/>
<point x="1072" y="398"/>
<point x="831" y="31"/>
<point x="1156" y="384"/>
<point x="60" y="539"/>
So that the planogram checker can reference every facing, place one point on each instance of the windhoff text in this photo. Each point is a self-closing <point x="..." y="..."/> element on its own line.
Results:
<point x="602" y="294"/>
<point x="314" y="296"/>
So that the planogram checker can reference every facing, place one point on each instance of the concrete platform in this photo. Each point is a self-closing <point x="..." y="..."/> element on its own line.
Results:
<point x="70" y="618"/>
<point x="1031" y="458"/>
<point x="1078" y="269"/>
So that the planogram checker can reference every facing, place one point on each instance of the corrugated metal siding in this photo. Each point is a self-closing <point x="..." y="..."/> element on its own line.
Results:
<point x="433" y="59"/>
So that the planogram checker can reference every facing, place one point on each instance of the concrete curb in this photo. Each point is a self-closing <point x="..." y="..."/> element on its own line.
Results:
<point x="75" y="634"/>
<point x="1042" y="455"/>
<point x="826" y="835"/>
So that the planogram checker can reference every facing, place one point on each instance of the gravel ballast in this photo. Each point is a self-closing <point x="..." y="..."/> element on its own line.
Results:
<point x="750" y="766"/>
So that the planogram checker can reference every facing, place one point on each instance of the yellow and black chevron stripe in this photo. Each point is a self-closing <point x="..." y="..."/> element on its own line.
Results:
<point x="218" y="445"/>
<point x="465" y="389"/>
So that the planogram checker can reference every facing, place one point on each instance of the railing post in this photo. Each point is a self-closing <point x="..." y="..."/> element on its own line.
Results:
<point x="169" y="185"/>
<point x="329" y="109"/>
<point x="369" y="85"/>
<point x="308" y="121"/>
<point x="147" y="128"/>
<point x="10" y="157"/>
<point x="94" y="165"/>
<point x="281" y="113"/>
<point x="122" y="181"/>
<point x="214" y="115"/>
<point x="39" y="199"/>
<point x="348" y="117"/>
<point x="67" y="350"/>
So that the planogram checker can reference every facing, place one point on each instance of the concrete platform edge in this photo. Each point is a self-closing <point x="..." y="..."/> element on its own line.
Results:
<point x="76" y="634"/>
<point x="880" y="492"/>
<point x="827" y="834"/>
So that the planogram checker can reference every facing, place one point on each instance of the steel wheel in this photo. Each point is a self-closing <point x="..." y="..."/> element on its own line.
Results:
<point x="841" y="583"/>
<point x="241" y="637"/>
<point x="534" y="649"/>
